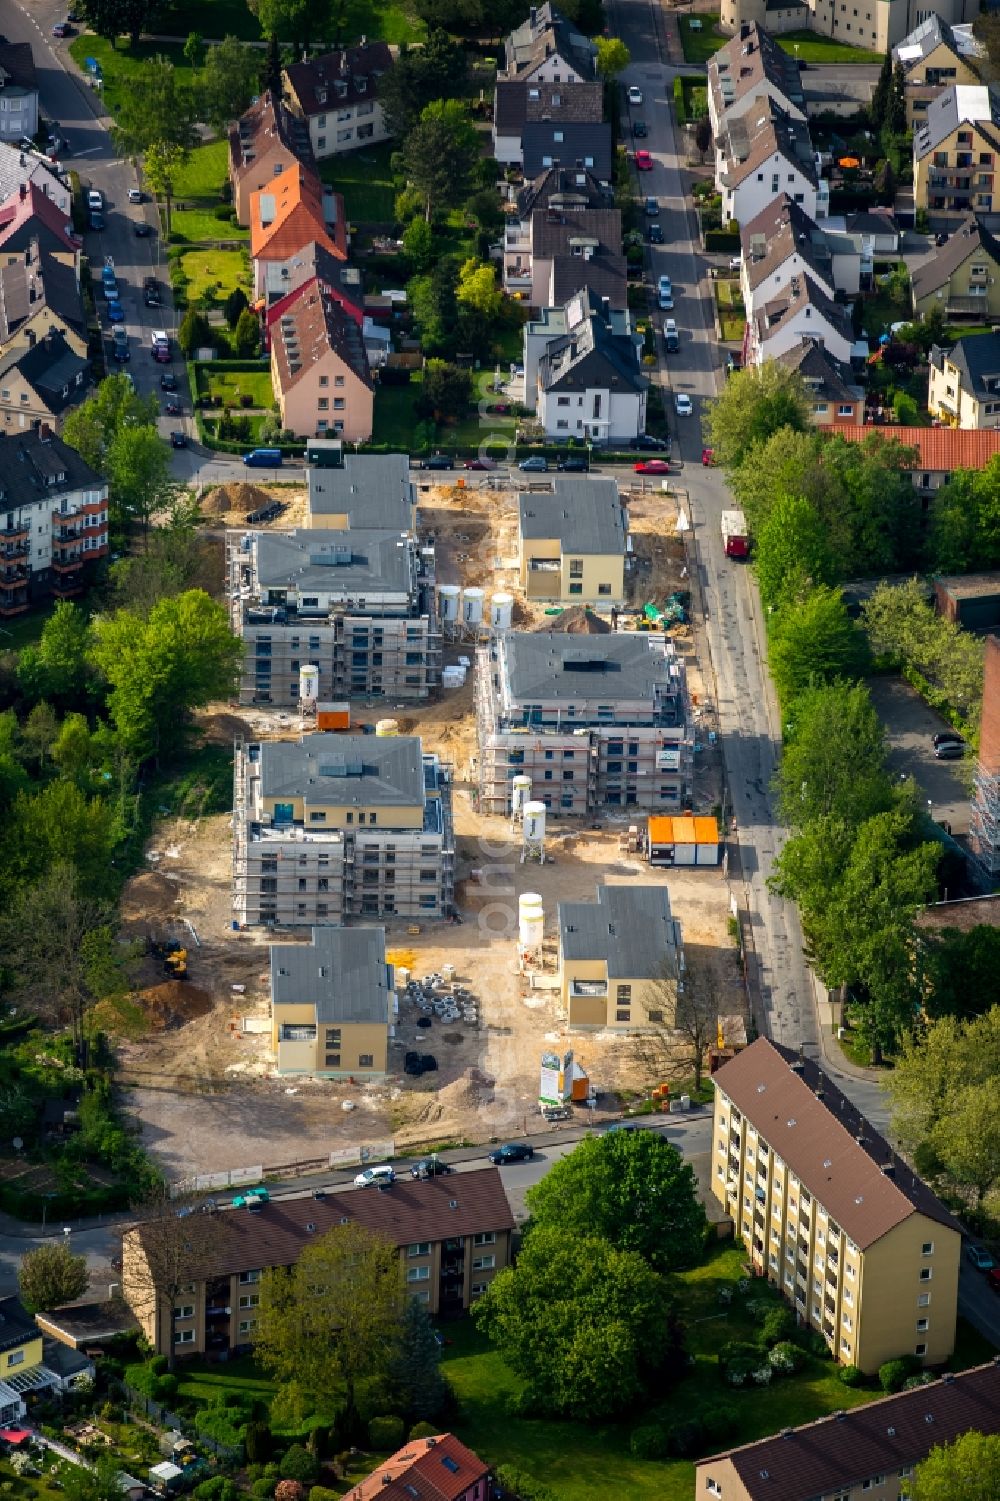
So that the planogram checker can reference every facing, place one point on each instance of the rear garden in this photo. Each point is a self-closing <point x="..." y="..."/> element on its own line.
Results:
<point x="701" y="39"/>
<point x="730" y="309"/>
<point x="365" y="180"/>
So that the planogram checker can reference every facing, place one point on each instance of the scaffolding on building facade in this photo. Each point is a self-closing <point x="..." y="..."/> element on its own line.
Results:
<point x="984" y="821"/>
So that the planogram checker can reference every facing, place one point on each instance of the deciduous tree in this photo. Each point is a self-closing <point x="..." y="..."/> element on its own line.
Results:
<point x="56" y="668"/>
<point x="833" y="762"/>
<point x="754" y="404"/>
<point x="419" y="76"/>
<point x="588" y="1328"/>
<point x="961" y="972"/>
<point x="445" y="392"/>
<point x="791" y="550"/>
<point x="814" y="640"/>
<point x="228" y="82"/>
<point x="439" y="154"/>
<point x="969" y="1467"/>
<point x="90" y="428"/>
<point x="139" y="479"/>
<point x="631" y="1188"/>
<point x="50" y="1276"/>
<point x="613" y="57"/>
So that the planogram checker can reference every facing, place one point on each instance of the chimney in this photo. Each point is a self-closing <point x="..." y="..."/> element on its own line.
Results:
<point x="23" y="191"/>
<point x="31" y="338"/>
<point x="44" y="432"/>
<point x="532" y="17"/>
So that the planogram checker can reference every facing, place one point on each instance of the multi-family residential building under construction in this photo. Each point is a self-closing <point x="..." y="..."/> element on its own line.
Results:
<point x="592" y="721"/>
<point x="332" y="827"/>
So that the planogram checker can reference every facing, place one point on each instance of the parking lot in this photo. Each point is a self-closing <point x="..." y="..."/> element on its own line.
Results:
<point x="910" y="727"/>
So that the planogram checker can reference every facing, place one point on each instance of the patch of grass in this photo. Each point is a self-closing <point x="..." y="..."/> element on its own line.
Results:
<point x="216" y="271"/>
<point x="239" y="1377"/>
<point x="120" y="65"/>
<point x="395" y="418"/>
<point x="22" y="630"/>
<point x="692" y="102"/>
<point x="230" y="385"/>
<point x="700" y="42"/>
<point x="593" y="1462"/>
<point x="810" y="48"/>
<point x="204" y="172"/>
<point x="732" y="314"/>
<point x="200" y="785"/>
<point x="365" y="180"/>
<point x="196" y="224"/>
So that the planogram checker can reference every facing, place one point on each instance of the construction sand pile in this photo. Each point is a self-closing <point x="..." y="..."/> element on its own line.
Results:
<point x="172" y="1003"/>
<point x="150" y="894"/>
<point x="238" y="496"/>
<point x="468" y="1091"/>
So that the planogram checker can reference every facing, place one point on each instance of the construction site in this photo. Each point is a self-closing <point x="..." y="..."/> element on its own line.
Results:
<point x="205" y="1038"/>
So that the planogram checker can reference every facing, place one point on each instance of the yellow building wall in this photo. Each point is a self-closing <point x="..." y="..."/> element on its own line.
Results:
<point x="600" y="568"/>
<point x="540" y="585"/>
<point x="890" y="1284"/>
<point x="923" y="168"/>
<point x="393" y="817"/>
<point x="24" y="1358"/>
<point x="602" y="1011"/>
<point x="724" y="1473"/>
<point x="962" y="284"/>
<point x="356" y="1039"/>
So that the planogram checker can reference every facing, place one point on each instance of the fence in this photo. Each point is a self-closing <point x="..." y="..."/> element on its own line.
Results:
<point x="234" y="1177"/>
<point x="372" y="1151"/>
<point x="164" y="1418"/>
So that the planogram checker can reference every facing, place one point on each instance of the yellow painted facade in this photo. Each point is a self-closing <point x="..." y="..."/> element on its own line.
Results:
<point x="590" y="1000"/>
<point x="595" y="579"/>
<point x="954" y="404"/>
<point x="355" y="1048"/>
<point x="947" y="178"/>
<point x="23" y="1357"/>
<point x="315" y="814"/>
<point x="897" y="1296"/>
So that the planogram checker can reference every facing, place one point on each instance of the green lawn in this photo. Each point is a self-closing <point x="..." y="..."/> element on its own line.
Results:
<point x="239" y="1376"/>
<point x="120" y="65"/>
<point x="204" y="172"/>
<point x="216" y="271"/>
<point x="365" y="180"/>
<point x="390" y="22"/>
<point x="693" y="102"/>
<point x="22" y="630"/>
<point x="593" y="1462"/>
<point x="702" y="40"/>
<point x="395" y="418"/>
<point x="230" y="385"/>
<point x="732" y="314"/>
<point x="810" y="48"/>
<point x="196" y="224"/>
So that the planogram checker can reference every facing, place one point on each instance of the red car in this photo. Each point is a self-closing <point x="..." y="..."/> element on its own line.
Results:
<point x="480" y="464"/>
<point x="652" y="466"/>
<point x="643" y="162"/>
<point x="708" y="457"/>
<point x="993" y="1279"/>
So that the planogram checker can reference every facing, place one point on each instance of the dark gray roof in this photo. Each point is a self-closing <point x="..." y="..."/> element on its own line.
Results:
<point x="544" y="665"/>
<point x="749" y="62"/>
<point x="372" y="490"/>
<point x="554" y="232"/>
<point x="546" y="31"/>
<point x="17" y="67"/>
<point x="824" y="374"/>
<point x="574" y="144"/>
<point x="749" y="141"/>
<point x="65" y="1362"/>
<point x="630" y="927"/>
<point x="341" y="971"/>
<point x="31" y="464"/>
<point x="603" y="277"/>
<point x="517" y="101"/>
<point x="52" y="369"/>
<point x="16" y="1324"/>
<point x="977" y="104"/>
<point x="358" y="770"/>
<point x="585" y="514"/>
<point x="40" y="280"/>
<point x="334" y="562"/>
<point x="564" y="190"/>
<point x="922" y="40"/>
<point x="969" y="239"/>
<point x="977" y="359"/>
<point x="591" y="357"/>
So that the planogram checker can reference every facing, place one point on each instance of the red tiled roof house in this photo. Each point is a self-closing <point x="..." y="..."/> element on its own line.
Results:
<point x="432" y="1469"/>
<point x="292" y="212"/>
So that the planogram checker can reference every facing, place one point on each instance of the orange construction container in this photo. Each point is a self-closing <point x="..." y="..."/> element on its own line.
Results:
<point x="333" y="716"/>
<point x="579" y="1090"/>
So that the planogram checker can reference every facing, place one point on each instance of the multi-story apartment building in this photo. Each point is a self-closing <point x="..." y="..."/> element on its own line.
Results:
<point x="18" y="91"/>
<point x="337" y="97"/>
<point x="320" y="369"/>
<point x="572" y="543"/>
<point x="53" y="519"/>
<point x="594" y="721"/>
<point x="333" y="826"/>
<point x="961" y="278"/>
<point x="620" y="959"/>
<point x="933" y="57"/>
<point x="763" y="154"/>
<point x="453" y="1235"/>
<point x="565" y="234"/>
<point x="878" y="25"/>
<point x="546" y="48"/>
<point x="590" y="385"/>
<point x="955" y="153"/>
<point x="359" y="491"/>
<point x="748" y="69"/>
<point x="868" y="1452"/>
<point x="333" y="1003"/>
<point x="862" y="1249"/>
<point x="359" y="606"/>
<point x="964" y="386"/>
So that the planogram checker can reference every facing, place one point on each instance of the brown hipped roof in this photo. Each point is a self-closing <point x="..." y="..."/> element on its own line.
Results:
<point x="840" y="1452"/>
<point x="431" y="1469"/>
<point x="829" y="1145"/>
<point x="410" y="1211"/>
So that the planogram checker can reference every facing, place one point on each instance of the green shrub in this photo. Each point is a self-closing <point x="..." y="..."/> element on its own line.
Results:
<point x="719" y="1421"/>
<point x="777" y="1325"/>
<point x="298" y="1464"/>
<point x="850" y="1375"/>
<point x="216" y="1423"/>
<point x="893" y="1373"/>
<point x="739" y="1351"/>
<point x="216" y="1488"/>
<point x="649" y="1441"/>
<point x="685" y="1438"/>
<point x="385" y="1432"/>
<point x="165" y="1388"/>
<point x="257" y="1439"/>
<point x="422" y="1430"/>
<point x="525" y="1485"/>
<point x="786" y="1357"/>
<point x="321" y="1493"/>
<point x="721" y="239"/>
<point x="263" y="1490"/>
<point x="158" y="1365"/>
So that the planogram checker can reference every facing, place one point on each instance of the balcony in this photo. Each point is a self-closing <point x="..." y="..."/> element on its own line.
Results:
<point x="21" y="532"/>
<point x="15" y="551"/>
<point x="13" y="601"/>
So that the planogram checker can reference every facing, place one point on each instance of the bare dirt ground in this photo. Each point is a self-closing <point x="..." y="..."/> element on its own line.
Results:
<point x="203" y="1087"/>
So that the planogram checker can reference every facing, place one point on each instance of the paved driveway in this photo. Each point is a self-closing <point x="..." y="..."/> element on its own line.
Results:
<point x="910" y="727"/>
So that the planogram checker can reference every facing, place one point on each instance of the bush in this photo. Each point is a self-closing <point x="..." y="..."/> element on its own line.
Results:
<point x="385" y="1433"/>
<point x="850" y="1375"/>
<point x="258" y="1442"/>
<point x="719" y="1422"/>
<point x="217" y="1488"/>
<point x="738" y="1351"/>
<point x="289" y="1490"/>
<point x="165" y="1388"/>
<point x="298" y="1464"/>
<point x="649" y="1442"/>
<point x="786" y="1357"/>
<point x="524" y="1485"/>
<point x="685" y="1438"/>
<point x="321" y="1493"/>
<point x="721" y="239"/>
<point x="423" y="1430"/>
<point x="216" y="1423"/>
<point x="263" y="1490"/>
<point x="777" y="1325"/>
<point x="158" y="1365"/>
<point x="892" y="1375"/>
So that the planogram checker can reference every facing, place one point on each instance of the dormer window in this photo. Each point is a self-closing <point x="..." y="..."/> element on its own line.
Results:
<point x="321" y="96"/>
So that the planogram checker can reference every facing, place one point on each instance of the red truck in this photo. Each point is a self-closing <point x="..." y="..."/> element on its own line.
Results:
<point x="735" y="537"/>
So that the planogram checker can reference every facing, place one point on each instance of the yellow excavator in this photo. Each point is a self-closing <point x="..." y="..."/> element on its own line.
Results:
<point x="174" y="957"/>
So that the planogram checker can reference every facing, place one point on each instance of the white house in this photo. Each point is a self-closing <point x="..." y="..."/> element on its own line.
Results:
<point x="546" y="48"/>
<point x="518" y="103"/>
<point x="589" y="384"/>
<point x="782" y="242"/>
<point x="763" y="154"/>
<point x="337" y="96"/>
<point x="18" y="92"/>
<point x="751" y="67"/>
<point x="800" y="310"/>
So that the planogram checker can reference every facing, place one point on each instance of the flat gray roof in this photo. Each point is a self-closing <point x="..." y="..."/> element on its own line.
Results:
<point x="545" y="665"/>
<point x="373" y="490"/>
<point x="342" y="971"/>
<point x="585" y="514"/>
<point x="631" y="927"/>
<point x="330" y="561"/>
<point x="354" y="770"/>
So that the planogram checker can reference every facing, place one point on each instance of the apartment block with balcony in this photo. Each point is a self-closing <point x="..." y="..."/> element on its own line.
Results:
<point x="864" y="1252"/>
<point x="933" y="57"/>
<point x="955" y="153"/>
<point x="962" y="277"/>
<point x="877" y="27"/>
<point x="595" y="721"/>
<point x="964" y="385"/>
<point x="453" y="1234"/>
<point x="333" y="1004"/>
<point x="359" y="606"/>
<point x="53" y="519"/>
<point x="620" y="960"/>
<point x="333" y="827"/>
<point x="572" y="543"/>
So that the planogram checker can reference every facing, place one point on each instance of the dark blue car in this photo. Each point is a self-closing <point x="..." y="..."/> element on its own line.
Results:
<point x="512" y="1151"/>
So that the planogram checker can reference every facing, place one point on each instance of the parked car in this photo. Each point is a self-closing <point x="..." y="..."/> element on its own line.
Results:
<point x="96" y="222"/>
<point x="173" y="409"/>
<point x="652" y="208"/>
<point x="993" y="1279"/>
<point x="656" y="234"/>
<point x="116" y="313"/>
<point x="480" y="464"/>
<point x="735" y="262"/>
<point x="573" y="466"/>
<point x="95" y="199"/>
<point x="60" y="29"/>
<point x="652" y="466"/>
<point x="646" y="440"/>
<point x="639" y="129"/>
<point x="665" y="296"/>
<point x="428" y="1063"/>
<point x="950" y="750"/>
<point x="263" y="458"/>
<point x="644" y="162"/>
<point x="980" y="1258"/>
<point x="535" y="465"/>
<point x="512" y="1151"/>
<point x="168" y="381"/>
<point x="178" y="440"/>
<point x="142" y="230"/>
<point x="135" y="195"/>
<point x="121" y="350"/>
<point x="430" y="1167"/>
<point x="682" y="405"/>
<point x="439" y="461"/>
<point x="947" y="737"/>
<point x="634" y="94"/>
<point x="708" y="457"/>
<point x="383" y="1174"/>
<point x="671" y="338"/>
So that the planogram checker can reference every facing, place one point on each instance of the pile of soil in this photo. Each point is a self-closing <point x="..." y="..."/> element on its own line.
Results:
<point x="469" y="1091"/>
<point x="151" y="894"/>
<point x="576" y="621"/>
<point x="238" y="496"/>
<point x="172" y="1003"/>
<point x="223" y="729"/>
